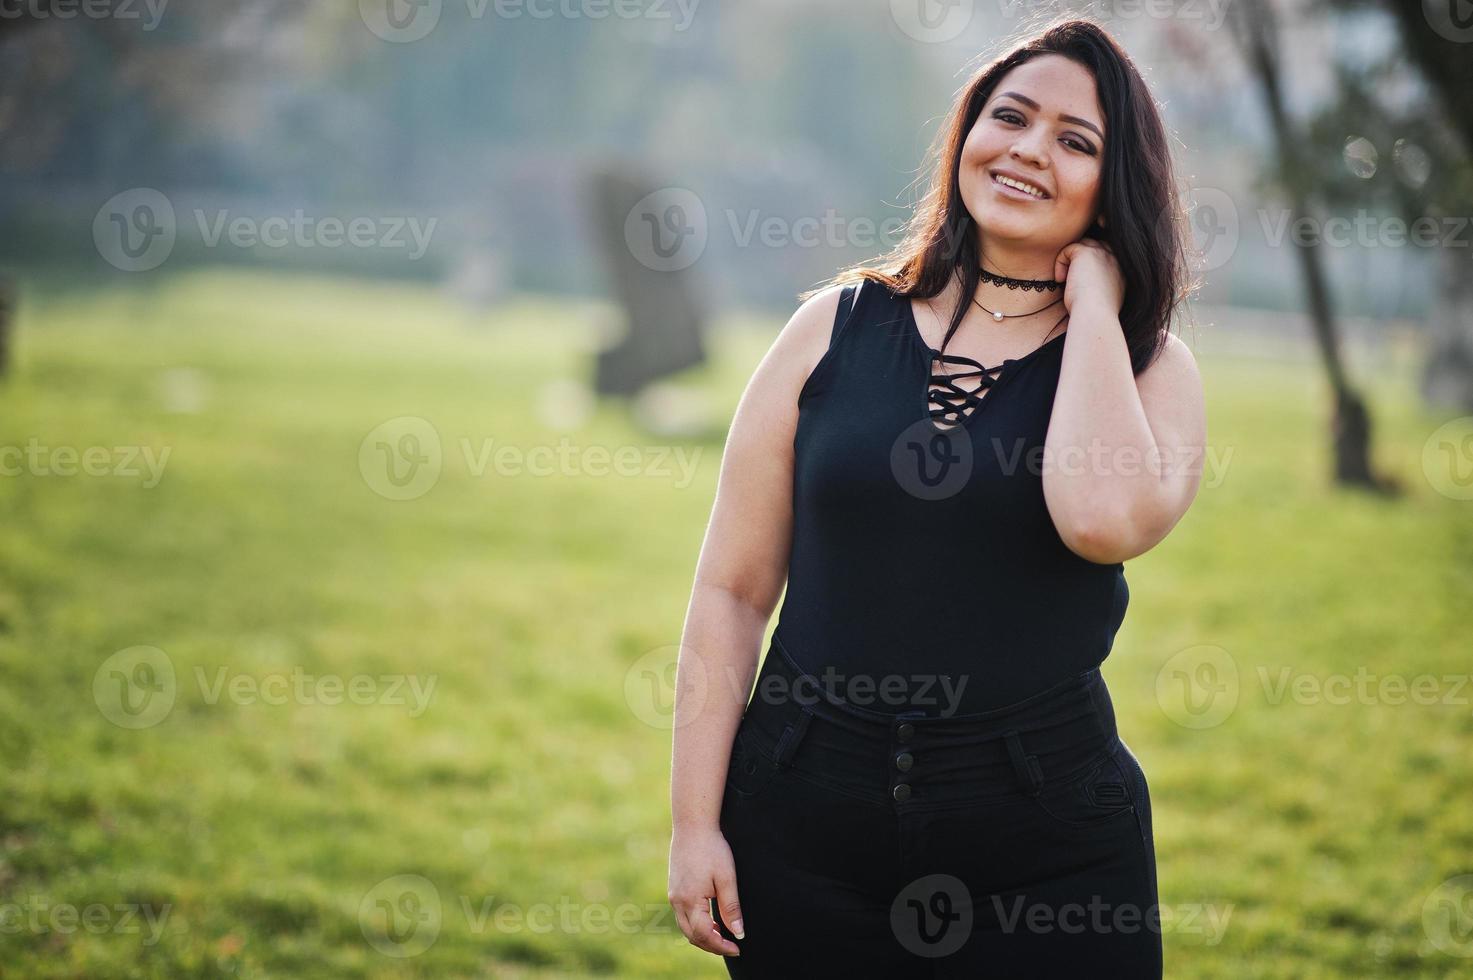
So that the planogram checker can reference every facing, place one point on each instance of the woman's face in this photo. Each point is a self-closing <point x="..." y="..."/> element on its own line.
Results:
<point x="1042" y="125"/>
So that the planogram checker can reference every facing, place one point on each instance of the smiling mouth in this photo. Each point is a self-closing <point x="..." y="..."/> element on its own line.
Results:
<point x="1032" y="190"/>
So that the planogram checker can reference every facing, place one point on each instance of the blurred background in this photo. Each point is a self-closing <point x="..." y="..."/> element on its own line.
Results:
<point x="364" y="371"/>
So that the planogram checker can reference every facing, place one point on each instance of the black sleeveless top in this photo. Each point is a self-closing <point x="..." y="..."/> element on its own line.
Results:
<point x="926" y="574"/>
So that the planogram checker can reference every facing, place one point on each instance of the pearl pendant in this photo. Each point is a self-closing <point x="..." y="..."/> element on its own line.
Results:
<point x="997" y="317"/>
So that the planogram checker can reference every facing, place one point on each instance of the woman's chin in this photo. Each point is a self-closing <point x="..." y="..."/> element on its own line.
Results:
<point x="1011" y="230"/>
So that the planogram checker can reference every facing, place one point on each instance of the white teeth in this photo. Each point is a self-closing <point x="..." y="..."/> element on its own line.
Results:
<point x="1018" y="185"/>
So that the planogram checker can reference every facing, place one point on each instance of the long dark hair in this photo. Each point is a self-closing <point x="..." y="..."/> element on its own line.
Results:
<point x="1144" y="223"/>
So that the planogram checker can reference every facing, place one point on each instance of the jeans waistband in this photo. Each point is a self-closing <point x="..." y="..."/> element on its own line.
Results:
<point x="911" y="758"/>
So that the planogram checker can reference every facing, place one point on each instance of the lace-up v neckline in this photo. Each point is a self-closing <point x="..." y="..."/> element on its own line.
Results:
<point x="958" y="405"/>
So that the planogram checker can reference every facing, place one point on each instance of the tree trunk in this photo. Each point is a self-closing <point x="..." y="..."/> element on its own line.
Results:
<point x="8" y="295"/>
<point x="1255" y="31"/>
<point x="1435" y="41"/>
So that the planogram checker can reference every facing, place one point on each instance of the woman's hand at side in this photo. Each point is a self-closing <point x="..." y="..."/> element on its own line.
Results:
<point x="739" y="579"/>
<point x="701" y="867"/>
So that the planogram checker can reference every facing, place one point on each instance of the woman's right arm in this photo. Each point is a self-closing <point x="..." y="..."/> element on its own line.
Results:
<point x="739" y="579"/>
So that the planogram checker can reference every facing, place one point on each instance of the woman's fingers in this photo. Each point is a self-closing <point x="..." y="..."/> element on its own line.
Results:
<point x="728" y="906"/>
<point x="701" y="931"/>
<point x="1061" y="262"/>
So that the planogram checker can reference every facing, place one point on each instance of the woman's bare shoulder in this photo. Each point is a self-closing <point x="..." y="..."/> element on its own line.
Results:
<point x="803" y="340"/>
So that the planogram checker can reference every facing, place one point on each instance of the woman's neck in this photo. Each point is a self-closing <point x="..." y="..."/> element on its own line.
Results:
<point x="1027" y="266"/>
<point x="1014" y="299"/>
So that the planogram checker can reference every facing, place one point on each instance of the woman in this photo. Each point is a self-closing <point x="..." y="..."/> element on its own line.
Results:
<point x="928" y="780"/>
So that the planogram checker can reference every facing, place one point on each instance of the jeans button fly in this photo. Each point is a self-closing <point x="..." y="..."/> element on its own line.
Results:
<point x="905" y="732"/>
<point x="904" y="761"/>
<point x="901" y="792"/>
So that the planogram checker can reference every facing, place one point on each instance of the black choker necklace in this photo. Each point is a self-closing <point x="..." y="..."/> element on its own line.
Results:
<point x="1042" y="285"/>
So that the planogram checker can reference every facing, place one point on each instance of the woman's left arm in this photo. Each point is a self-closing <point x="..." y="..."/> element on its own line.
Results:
<point x="1123" y="456"/>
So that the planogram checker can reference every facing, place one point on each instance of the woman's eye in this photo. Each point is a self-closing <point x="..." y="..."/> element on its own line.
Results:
<point x="1009" y="117"/>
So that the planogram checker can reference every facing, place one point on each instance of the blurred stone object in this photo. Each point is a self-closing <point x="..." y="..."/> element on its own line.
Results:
<point x="664" y="322"/>
<point x="478" y="278"/>
<point x="1447" y="376"/>
<point x="674" y="411"/>
<point x="184" y="391"/>
<point x="564" y="405"/>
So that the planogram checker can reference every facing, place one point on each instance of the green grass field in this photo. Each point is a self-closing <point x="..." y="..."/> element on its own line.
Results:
<point x="257" y="827"/>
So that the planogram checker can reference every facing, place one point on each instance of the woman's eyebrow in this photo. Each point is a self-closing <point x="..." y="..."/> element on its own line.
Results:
<point x="1071" y="119"/>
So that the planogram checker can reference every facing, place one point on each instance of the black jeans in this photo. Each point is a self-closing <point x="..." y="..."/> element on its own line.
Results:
<point x="1013" y="843"/>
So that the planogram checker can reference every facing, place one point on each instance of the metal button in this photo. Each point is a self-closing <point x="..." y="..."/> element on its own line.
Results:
<point x="905" y="732"/>
<point x="901" y="792"/>
<point x="904" y="761"/>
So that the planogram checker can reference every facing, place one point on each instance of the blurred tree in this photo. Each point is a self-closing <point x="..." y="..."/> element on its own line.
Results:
<point x="1412" y="98"/>
<point x="1255" y="32"/>
<point x="82" y="88"/>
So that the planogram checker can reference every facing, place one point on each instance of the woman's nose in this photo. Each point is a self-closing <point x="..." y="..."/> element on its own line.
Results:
<point x="1027" y="150"/>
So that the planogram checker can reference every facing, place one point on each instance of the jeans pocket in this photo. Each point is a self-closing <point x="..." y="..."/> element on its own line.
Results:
<point x="1099" y="798"/>
<point x="749" y="770"/>
<point x="1140" y="793"/>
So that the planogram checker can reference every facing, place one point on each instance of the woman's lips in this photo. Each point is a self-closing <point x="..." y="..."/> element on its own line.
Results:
<point x="1013" y="193"/>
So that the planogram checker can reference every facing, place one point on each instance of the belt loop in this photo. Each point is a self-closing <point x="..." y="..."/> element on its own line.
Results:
<point x="1026" y="765"/>
<point x="791" y="737"/>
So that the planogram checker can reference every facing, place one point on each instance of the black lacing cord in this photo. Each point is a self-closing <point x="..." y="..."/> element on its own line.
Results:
<point x="960" y="402"/>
